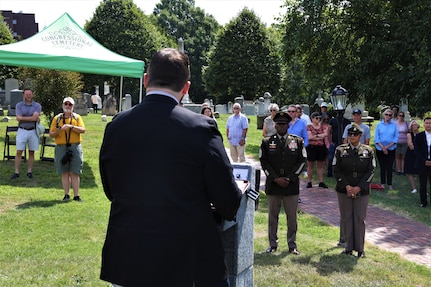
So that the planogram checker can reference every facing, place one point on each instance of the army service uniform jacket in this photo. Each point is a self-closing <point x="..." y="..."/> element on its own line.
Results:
<point x="282" y="160"/>
<point x="355" y="169"/>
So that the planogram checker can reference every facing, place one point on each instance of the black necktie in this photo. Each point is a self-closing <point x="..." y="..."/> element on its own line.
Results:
<point x="282" y="140"/>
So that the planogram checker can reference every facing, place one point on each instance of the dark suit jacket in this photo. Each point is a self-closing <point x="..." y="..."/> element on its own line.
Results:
<point x="161" y="166"/>
<point x="421" y="150"/>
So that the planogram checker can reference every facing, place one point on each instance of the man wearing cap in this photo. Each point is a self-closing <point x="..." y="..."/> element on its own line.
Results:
<point x="27" y="114"/>
<point x="66" y="128"/>
<point x="323" y="107"/>
<point x="283" y="158"/>
<point x="354" y="165"/>
<point x="357" y="118"/>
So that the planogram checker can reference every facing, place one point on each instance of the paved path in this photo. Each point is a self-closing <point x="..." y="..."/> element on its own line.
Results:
<point x="385" y="229"/>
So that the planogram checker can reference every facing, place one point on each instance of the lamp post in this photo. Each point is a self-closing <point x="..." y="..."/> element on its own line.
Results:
<point x="339" y="101"/>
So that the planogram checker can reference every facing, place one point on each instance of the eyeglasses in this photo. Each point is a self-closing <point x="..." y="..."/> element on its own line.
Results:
<point x="317" y="118"/>
<point x="401" y="116"/>
<point x="291" y="111"/>
<point x="273" y="110"/>
<point x="388" y="115"/>
<point x="68" y="104"/>
<point x="353" y="134"/>
<point x="281" y="124"/>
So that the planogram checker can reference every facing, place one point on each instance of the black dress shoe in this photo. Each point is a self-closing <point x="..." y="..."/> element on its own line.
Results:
<point x="423" y="205"/>
<point x="361" y="254"/>
<point x="347" y="252"/>
<point x="271" y="249"/>
<point x="322" y="184"/>
<point x="294" y="251"/>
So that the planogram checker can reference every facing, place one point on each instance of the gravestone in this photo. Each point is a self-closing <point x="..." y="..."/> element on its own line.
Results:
<point x="10" y="84"/>
<point x="109" y="106"/>
<point x="221" y="109"/>
<point x="15" y="98"/>
<point x="81" y="107"/>
<point x="127" y="102"/>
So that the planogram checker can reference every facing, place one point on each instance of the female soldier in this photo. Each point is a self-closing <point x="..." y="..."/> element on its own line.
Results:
<point x="354" y="165"/>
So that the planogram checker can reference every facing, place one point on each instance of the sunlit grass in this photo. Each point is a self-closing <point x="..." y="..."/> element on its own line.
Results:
<point x="45" y="242"/>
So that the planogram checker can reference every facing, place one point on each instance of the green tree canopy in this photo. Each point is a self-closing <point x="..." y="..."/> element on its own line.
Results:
<point x="181" y="19"/>
<point x="242" y="61"/>
<point x="122" y="27"/>
<point x="379" y="50"/>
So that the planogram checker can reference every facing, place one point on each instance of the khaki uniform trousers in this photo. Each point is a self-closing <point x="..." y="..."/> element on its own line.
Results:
<point x="353" y="212"/>
<point x="290" y="206"/>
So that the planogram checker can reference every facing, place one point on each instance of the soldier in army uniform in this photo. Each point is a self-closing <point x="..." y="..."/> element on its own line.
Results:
<point x="354" y="165"/>
<point x="283" y="158"/>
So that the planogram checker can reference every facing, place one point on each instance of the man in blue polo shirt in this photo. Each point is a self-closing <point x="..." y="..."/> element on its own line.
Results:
<point x="27" y="114"/>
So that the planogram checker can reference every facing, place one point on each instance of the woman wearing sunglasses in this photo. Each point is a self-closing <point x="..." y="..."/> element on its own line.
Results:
<point x="268" y="122"/>
<point x="354" y="165"/>
<point x="385" y="139"/>
<point x="316" y="149"/>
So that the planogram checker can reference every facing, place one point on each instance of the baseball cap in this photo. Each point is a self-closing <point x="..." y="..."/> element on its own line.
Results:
<point x="324" y="104"/>
<point x="357" y="111"/>
<point x="69" y="99"/>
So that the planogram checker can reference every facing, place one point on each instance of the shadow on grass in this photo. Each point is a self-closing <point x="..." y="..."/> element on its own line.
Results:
<point x="329" y="264"/>
<point x="45" y="175"/>
<point x="263" y="258"/>
<point x="39" y="204"/>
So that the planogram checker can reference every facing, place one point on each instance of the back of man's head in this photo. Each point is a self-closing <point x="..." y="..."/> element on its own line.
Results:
<point x="169" y="69"/>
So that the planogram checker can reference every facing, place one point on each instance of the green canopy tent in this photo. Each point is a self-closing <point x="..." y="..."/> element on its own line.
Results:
<point x="64" y="45"/>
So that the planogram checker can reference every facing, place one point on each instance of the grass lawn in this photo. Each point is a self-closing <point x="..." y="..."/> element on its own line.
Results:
<point x="45" y="242"/>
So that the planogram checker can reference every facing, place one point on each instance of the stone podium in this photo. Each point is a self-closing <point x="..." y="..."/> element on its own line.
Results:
<point x="237" y="235"/>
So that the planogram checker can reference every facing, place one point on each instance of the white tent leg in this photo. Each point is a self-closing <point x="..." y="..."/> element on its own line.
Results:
<point x="121" y="94"/>
<point x="140" y="89"/>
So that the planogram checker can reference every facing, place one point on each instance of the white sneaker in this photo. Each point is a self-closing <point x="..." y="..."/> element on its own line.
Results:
<point x="414" y="190"/>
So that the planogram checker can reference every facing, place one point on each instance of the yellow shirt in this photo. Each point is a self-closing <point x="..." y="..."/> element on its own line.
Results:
<point x="61" y="138"/>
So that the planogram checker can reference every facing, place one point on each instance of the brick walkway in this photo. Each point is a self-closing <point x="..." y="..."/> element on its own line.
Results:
<point x="385" y="229"/>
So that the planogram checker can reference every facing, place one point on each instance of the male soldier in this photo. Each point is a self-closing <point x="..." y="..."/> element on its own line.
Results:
<point x="282" y="157"/>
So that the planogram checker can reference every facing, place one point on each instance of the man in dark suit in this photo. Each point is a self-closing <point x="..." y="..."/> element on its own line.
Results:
<point x="423" y="158"/>
<point x="165" y="168"/>
<point x="282" y="157"/>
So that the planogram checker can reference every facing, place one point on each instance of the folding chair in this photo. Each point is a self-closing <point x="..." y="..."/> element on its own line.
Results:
<point x="10" y="140"/>
<point x="46" y="141"/>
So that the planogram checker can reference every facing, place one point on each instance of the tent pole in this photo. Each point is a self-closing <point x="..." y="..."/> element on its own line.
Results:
<point x="121" y="93"/>
<point x="140" y="90"/>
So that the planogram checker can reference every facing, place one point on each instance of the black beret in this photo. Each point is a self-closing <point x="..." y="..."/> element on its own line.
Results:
<point x="282" y="117"/>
